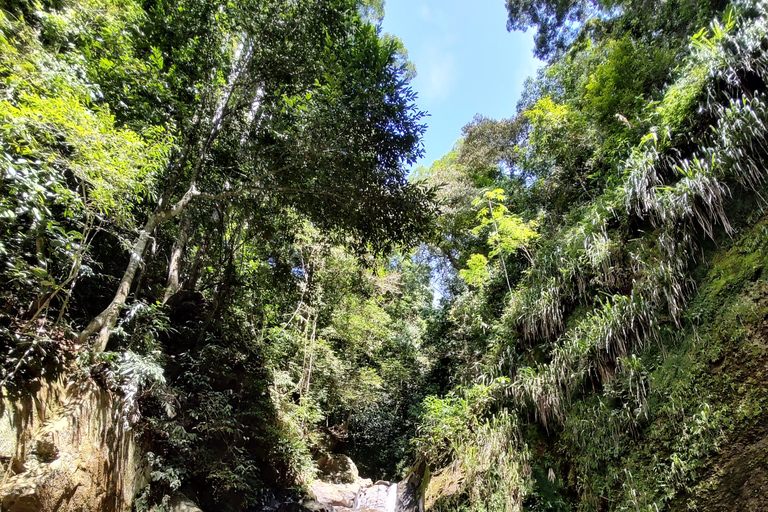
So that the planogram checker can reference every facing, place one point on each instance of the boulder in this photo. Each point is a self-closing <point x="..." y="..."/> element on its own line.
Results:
<point x="341" y="495"/>
<point x="337" y="468"/>
<point x="339" y="482"/>
<point x="180" y="503"/>
<point x="381" y="497"/>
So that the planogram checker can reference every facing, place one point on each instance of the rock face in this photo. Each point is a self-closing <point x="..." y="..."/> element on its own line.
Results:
<point x="410" y="495"/>
<point x="67" y="448"/>
<point x="408" y="499"/>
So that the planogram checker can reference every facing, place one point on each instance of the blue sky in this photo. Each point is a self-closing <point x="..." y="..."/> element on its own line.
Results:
<point x="467" y="63"/>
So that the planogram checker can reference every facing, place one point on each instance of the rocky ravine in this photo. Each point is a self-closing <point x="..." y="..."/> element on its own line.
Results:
<point x="68" y="447"/>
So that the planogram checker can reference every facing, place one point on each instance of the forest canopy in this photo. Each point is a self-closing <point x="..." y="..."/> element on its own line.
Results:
<point x="206" y="208"/>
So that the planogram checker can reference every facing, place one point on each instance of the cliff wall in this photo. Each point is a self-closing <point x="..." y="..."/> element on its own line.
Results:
<point x="68" y="448"/>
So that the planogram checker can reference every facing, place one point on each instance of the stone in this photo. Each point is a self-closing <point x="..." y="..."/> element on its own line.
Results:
<point x="407" y="498"/>
<point x="22" y="498"/>
<point x="291" y="507"/>
<point x="340" y="482"/>
<point x="338" y="468"/>
<point x="409" y="491"/>
<point x="381" y="497"/>
<point x="306" y="506"/>
<point x="7" y="435"/>
<point x="342" y="495"/>
<point x="314" y="506"/>
<point x="181" y="503"/>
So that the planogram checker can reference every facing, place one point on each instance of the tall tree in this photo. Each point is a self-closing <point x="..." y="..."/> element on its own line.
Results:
<point x="308" y="103"/>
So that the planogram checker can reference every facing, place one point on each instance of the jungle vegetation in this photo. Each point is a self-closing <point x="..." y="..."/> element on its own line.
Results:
<point x="205" y="206"/>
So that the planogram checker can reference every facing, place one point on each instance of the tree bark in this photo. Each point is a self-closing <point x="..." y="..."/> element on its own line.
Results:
<point x="106" y="320"/>
<point x="174" y="266"/>
<point x="194" y="273"/>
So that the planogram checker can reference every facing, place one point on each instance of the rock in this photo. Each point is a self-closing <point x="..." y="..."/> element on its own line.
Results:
<point x="68" y="448"/>
<point x="407" y="498"/>
<point x="340" y="482"/>
<point x="338" y="468"/>
<point x="409" y="491"/>
<point x="306" y="506"/>
<point x="361" y="495"/>
<point x="291" y="507"/>
<point x="180" y="503"/>
<point x="22" y="498"/>
<point x="314" y="506"/>
<point x="381" y="497"/>
<point x="7" y="435"/>
<point x="342" y="495"/>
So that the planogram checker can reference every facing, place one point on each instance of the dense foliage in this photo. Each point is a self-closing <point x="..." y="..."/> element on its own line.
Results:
<point x="204" y="207"/>
<point x="581" y="383"/>
<point x="199" y="203"/>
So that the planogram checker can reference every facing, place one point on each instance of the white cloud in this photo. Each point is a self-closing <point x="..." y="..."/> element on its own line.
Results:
<point x="438" y="75"/>
<point x="426" y="12"/>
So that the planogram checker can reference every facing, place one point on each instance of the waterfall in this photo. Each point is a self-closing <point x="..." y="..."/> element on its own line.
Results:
<point x="391" y="502"/>
<point x="344" y="490"/>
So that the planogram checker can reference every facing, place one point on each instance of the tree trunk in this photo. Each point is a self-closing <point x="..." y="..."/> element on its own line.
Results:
<point x="194" y="273"/>
<point x="173" y="285"/>
<point x="107" y="319"/>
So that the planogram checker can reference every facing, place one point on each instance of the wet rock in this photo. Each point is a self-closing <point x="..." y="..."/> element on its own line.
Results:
<point x="381" y="497"/>
<point x="409" y="498"/>
<point x="341" y="495"/>
<point x="291" y="507"/>
<point x="314" y="506"/>
<point x="306" y="506"/>
<point x="363" y="495"/>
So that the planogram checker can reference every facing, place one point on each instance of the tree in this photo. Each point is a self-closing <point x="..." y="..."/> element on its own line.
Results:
<point x="557" y="22"/>
<point x="321" y="118"/>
